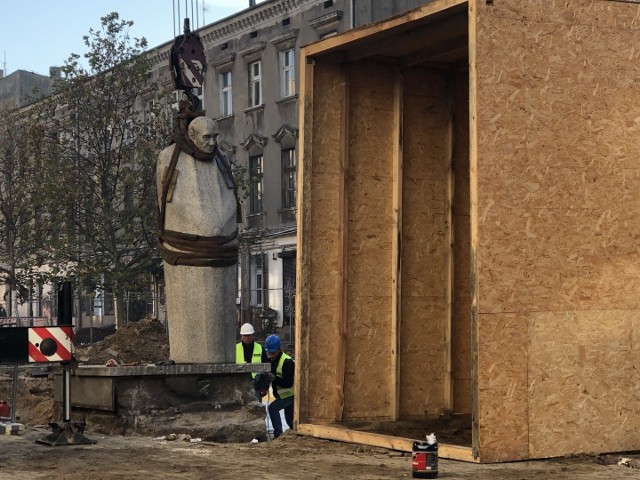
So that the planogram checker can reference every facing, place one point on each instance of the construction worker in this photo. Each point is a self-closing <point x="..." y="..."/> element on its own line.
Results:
<point x="281" y="376"/>
<point x="248" y="350"/>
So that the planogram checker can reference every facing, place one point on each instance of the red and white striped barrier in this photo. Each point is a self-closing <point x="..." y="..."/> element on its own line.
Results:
<point x="50" y="344"/>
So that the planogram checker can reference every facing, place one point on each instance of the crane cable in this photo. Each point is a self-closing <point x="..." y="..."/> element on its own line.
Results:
<point x="195" y="14"/>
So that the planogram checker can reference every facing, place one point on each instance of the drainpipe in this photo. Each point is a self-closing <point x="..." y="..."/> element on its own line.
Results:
<point x="352" y="14"/>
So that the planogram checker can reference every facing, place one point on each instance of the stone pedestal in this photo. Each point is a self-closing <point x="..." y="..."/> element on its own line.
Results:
<point x="215" y="402"/>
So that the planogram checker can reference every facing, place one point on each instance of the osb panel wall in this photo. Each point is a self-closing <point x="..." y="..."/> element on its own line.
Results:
<point x="593" y="380"/>
<point x="369" y="238"/>
<point x="425" y="243"/>
<point x="319" y="389"/>
<point x="461" y="312"/>
<point x="558" y="223"/>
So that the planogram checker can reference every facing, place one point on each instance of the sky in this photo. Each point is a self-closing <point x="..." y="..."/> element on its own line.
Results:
<point x="38" y="34"/>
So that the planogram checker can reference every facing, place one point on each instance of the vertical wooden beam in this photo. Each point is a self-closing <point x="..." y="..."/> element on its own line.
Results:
<point x="473" y="213"/>
<point x="303" y="254"/>
<point x="449" y="199"/>
<point x="343" y="246"/>
<point x="396" y="247"/>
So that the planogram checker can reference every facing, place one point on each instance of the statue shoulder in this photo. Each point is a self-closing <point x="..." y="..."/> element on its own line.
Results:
<point x="164" y="157"/>
<point x="167" y="151"/>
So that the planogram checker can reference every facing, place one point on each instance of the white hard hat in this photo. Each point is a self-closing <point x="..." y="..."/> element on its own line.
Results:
<point x="247" y="329"/>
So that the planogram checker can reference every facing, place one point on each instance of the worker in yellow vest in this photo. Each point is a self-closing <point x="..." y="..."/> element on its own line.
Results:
<point x="248" y="350"/>
<point x="281" y="376"/>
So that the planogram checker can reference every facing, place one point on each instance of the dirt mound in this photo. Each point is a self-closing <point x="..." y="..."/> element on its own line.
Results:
<point x="141" y="342"/>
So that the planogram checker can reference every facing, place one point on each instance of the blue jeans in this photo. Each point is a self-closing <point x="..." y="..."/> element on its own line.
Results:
<point x="274" y="414"/>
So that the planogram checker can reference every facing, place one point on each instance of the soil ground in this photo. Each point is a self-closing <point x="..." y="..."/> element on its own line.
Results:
<point x="153" y="456"/>
<point x="289" y="457"/>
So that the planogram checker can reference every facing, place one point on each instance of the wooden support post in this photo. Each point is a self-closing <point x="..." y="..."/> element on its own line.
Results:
<point x="396" y="248"/>
<point x="448" y="370"/>
<point x="343" y="245"/>
<point x="473" y="214"/>
<point x="303" y="238"/>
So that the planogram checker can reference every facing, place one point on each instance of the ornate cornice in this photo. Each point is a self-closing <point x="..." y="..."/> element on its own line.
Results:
<point x="252" y="18"/>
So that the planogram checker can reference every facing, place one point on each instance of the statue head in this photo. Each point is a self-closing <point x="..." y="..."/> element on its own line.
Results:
<point x="203" y="132"/>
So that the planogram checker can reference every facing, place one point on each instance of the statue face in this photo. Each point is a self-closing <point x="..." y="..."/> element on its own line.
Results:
<point x="203" y="133"/>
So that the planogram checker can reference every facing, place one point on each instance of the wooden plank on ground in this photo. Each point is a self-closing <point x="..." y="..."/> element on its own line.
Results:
<point x="451" y="452"/>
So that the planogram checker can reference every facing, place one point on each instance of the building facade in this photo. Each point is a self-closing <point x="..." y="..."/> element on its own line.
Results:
<point x="21" y="88"/>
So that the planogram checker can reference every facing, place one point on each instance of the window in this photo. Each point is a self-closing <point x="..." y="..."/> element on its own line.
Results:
<point x="288" y="178"/>
<point x="226" y="105"/>
<point x="255" y="78"/>
<point x="256" y="280"/>
<point x="255" y="172"/>
<point x="288" y="77"/>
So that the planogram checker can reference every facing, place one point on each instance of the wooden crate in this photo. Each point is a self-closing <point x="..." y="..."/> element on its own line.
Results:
<point x="468" y="226"/>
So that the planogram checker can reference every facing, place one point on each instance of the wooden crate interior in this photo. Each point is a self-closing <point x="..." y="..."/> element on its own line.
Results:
<point x="385" y="303"/>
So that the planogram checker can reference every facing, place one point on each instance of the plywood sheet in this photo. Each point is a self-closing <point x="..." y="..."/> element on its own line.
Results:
<point x="320" y="391"/>
<point x="584" y="365"/>
<point x="502" y="387"/>
<point x="369" y="188"/>
<point x="320" y="271"/>
<point x="557" y="181"/>
<point x="422" y="358"/>
<point x="559" y="169"/>
<point x="426" y="240"/>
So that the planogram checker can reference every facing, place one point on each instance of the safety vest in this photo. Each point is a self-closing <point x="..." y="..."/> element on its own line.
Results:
<point x="256" y="356"/>
<point x="283" y="392"/>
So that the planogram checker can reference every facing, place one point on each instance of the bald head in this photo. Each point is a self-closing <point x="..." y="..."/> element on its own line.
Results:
<point x="203" y="132"/>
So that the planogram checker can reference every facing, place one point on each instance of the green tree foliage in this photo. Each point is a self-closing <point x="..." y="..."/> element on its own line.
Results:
<point x="101" y="162"/>
<point x="23" y="230"/>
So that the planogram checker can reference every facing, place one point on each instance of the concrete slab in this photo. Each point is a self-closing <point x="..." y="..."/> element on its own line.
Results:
<point x="143" y="388"/>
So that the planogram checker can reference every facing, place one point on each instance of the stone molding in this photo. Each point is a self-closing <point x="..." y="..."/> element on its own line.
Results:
<point x="326" y="20"/>
<point x="283" y="131"/>
<point x="286" y="40"/>
<point x="254" y="139"/>
<point x="224" y="61"/>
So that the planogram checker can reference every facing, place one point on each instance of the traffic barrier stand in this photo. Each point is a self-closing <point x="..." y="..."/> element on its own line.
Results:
<point x="69" y="433"/>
